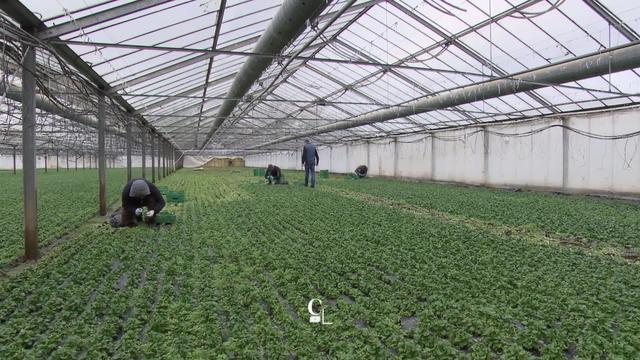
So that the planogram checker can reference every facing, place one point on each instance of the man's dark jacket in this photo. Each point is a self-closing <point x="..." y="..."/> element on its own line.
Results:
<point x="274" y="171"/>
<point x="153" y="201"/>
<point x="310" y="154"/>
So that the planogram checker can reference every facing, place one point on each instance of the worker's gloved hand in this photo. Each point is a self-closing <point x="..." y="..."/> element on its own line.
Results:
<point x="138" y="211"/>
<point x="150" y="213"/>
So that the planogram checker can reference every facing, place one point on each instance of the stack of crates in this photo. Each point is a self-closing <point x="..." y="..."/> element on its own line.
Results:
<point x="324" y="174"/>
<point x="165" y="218"/>
<point x="176" y="196"/>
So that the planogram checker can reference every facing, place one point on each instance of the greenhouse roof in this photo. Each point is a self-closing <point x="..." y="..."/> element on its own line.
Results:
<point x="172" y="64"/>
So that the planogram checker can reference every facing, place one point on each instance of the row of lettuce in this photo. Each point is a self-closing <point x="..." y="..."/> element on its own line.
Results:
<point x="233" y="277"/>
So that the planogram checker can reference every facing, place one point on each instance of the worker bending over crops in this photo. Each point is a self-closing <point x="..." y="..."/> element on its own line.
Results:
<point x="139" y="194"/>
<point x="274" y="174"/>
<point x="361" y="171"/>
<point x="310" y="160"/>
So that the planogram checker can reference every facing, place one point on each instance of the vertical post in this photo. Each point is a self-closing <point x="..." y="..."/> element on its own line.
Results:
<point x="29" y="153"/>
<point x="144" y="153"/>
<point x="102" y="160"/>
<point x="164" y="159"/>
<point x="129" y="145"/>
<point x="159" y="157"/>
<point x="57" y="160"/>
<point x="153" y="159"/>
<point x="368" y="155"/>
<point x="14" y="160"/>
<point x="76" y="162"/>
<point x="395" y="157"/>
<point x="67" y="160"/>
<point x="82" y="161"/>
<point x="485" y="157"/>
<point x="46" y="162"/>
<point x="433" y="156"/>
<point x="565" y="153"/>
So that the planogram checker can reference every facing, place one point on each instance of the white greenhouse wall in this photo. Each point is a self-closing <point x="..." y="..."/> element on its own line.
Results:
<point x="554" y="158"/>
<point x="6" y="162"/>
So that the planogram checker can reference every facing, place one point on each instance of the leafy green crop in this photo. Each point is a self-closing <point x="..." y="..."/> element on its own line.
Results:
<point x="232" y="279"/>
<point x="603" y="220"/>
<point x="65" y="200"/>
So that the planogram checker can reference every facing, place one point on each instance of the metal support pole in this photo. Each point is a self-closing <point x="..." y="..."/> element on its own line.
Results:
<point x="102" y="160"/>
<point x="396" y="158"/>
<point x="67" y="160"/>
<point x="433" y="156"/>
<point x="57" y="160"/>
<point x="144" y="154"/>
<point x="153" y="158"/>
<point x="14" y="160"/>
<point x="46" y="163"/>
<point x="129" y="145"/>
<point x="82" y="161"/>
<point x="565" y="152"/>
<point x="29" y="153"/>
<point x="485" y="156"/>
<point x="159" y="158"/>
<point x="164" y="159"/>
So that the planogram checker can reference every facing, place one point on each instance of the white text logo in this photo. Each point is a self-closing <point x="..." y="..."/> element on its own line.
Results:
<point x="316" y="316"/>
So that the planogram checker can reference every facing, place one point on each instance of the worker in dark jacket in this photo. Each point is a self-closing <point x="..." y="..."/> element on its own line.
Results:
<point x="361" y="171"/>
<point x="310" y="160"/>
<point x="139" y="193"/>
<point x="274" y="174"/>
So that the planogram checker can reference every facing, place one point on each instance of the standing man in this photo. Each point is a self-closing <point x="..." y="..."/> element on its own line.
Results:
<point x="310" y="159"/>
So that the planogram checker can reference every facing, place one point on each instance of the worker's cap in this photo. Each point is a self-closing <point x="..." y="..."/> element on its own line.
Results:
<point x="139" y="188"/>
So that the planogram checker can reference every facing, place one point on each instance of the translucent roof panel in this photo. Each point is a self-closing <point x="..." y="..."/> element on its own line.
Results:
<point x="174" y="62"/>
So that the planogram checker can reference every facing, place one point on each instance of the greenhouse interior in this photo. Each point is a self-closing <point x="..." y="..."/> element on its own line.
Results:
<point x="320" y="179"/>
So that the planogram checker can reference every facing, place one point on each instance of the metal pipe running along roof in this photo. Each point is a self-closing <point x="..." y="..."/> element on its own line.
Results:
<point x="616" y="59"/>
<point x="284" y="28"/>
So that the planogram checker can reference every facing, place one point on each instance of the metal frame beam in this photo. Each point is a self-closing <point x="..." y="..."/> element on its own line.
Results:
<point x="614" y="60"/>
<point x="98" y="18"/>
<point x="286" y="25"/>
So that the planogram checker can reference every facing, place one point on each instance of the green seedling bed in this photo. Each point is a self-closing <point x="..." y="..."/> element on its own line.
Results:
<point x="176" y="196"/>
<point x="165" y="218"/>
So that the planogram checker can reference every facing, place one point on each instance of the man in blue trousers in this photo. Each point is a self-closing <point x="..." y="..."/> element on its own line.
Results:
<point x="310" y="159"/>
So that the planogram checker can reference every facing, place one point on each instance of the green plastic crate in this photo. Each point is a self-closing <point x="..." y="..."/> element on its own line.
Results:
<point x="163" y="189"/>
<point x="259" y="172"/>
<point x="165" y="218"/>
<point x="324" y="174"/>
<point x="176" y="196"/>
<point x="352" y="176"/>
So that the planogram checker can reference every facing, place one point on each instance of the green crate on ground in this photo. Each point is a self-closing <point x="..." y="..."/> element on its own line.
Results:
<point x="163" y="189"/>
<point x="176" y="196"/>
<point x="259" y="172"/>
<point x="324" y="174"/>
<point x="165" y="218"/>
<point x="352" y="176"/>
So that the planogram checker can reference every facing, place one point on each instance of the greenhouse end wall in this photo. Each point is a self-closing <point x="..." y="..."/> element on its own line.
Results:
<point x="552" y="158"/>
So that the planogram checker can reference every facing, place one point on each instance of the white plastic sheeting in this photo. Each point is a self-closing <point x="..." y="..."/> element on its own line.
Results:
<point x="554" y="158"/>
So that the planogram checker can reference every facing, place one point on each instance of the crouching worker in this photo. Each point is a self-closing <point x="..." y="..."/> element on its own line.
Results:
<point x="274" y="175"/>
<point x="361" y="171"/>
<point x="136" y="195"/>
